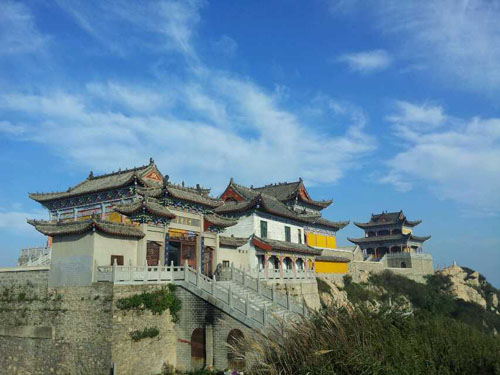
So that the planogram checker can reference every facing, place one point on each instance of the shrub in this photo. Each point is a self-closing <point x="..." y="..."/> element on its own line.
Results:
<point x="157" y="302"/>
<point x="364" y="342"/>
<point x="146" y="332"/>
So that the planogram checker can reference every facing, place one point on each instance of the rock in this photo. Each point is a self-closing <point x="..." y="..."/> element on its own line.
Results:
<point x="335" y="297"/>
<point x="494" y="300"/>
<point x="464" y="286"/>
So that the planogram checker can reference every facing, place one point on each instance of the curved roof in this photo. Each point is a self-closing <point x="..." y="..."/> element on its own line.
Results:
<point x="144" y="205"/>
<point x="232" y="241"/>
<point x="387" y="218"/>
<point x="54" y="228"/>
<point x="281" y="191"/>
<point x="391" y="237"/>
<point x="274" y="206"/>
<point x="269" y="245"/>
<point x="148" y="175"/>
<point x="220" y="221"/>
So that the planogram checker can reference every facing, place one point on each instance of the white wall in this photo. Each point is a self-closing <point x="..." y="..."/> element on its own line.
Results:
<point x="72" y="260"/>
<point x="276" y="229"/>
<point x="244" y="228"/>
<point x="106" y="245"/>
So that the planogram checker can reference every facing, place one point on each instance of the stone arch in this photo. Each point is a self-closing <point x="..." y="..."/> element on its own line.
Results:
<point x="288" y="263"/>
<point x="274" y="262"/>
<point x="198" y="348"/>
<point x="300" y="264"/>
<point x="403" y="264"/>
<point x="234" y="360"/>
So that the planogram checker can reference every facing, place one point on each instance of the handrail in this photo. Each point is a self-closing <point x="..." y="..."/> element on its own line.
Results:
<point x="193" y="277"/>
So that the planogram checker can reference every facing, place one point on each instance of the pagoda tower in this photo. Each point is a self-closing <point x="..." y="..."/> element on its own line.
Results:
<point x="388" y="233"/>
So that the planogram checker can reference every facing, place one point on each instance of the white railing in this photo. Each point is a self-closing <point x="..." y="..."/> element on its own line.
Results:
<point x="280" y="273"/>
<point x="190" y="277"/>
<point x="35" y="256"/>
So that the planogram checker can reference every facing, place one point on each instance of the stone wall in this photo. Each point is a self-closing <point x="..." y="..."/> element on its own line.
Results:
<point x="148" y="355"/>
<point x="79" y="330"/>
<point x="196" y="313"/>
<point x="53" y="331"/>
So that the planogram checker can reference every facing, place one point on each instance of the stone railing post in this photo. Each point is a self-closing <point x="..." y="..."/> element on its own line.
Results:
<point x="258" y="284"/>
<point x="213" y="285"/>
<point x="186" y="266"/>
<point x="232" y="271"/>
<point x="230" y="297"/>
<point x="172" y="278"/>
<point x="273" y="292"/>
<point x="288" y="300"/>
<point x="246" y="305"/>
<point x="198" y="271"/>
<point x="159" y="270"/>
<point x="146" y="272"/>
<point x="244" y="277"/>
<point x="264" y="314"/>
<point x="113" y="276"/>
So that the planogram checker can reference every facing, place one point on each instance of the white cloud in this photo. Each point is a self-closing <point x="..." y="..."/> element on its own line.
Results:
<point x="170" y="24"/>
<point x="16" y="220"/>
<point x="460" y="160"/>
<point x="18" y="32"/>
<point x="410" y="113"/>
<point x="456" y="39"/>
<point x="132" y="97"/>
<point x="367" y="61"/>
<point x="8" y="128"/>
<point x="226" y="45"/>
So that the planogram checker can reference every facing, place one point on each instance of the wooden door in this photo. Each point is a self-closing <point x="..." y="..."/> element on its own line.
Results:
<point x="153" y="253"/>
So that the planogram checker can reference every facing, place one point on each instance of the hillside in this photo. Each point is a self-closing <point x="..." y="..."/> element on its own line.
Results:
<point x="391" y="325"/>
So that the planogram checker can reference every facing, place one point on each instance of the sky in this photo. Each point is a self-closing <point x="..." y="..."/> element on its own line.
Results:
<point x="379" y="104"/>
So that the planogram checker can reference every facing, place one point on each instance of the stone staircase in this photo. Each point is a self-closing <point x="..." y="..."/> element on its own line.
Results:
<point x="244" y="297"/>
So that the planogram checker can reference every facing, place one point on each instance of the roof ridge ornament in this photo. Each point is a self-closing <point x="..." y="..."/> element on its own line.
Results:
<point x="91" y="175"/>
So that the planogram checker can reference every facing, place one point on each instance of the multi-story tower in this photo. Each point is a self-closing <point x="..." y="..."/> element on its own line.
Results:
<point x="387" y="233"/>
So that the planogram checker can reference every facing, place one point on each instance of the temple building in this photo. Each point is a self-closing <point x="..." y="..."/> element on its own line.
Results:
<point x="279" y="227"/>
<point x="138" y="217"/>
<point x="389" y="233"/>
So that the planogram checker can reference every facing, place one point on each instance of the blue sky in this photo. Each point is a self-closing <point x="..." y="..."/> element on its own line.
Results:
<point x="380" y="105"/>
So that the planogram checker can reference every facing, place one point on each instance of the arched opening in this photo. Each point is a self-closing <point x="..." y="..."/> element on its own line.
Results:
<point x="288" y="264"/>
<point x="300" y="264"/>
<point x="274" y="262"/>
<point x="383" y="232"/>
<point x="396" y="231"/>
<point x="403" y="265"/>
<point x="261" y="261"/>
<point x="235" y="351"/>
<point x="198" y="348"/>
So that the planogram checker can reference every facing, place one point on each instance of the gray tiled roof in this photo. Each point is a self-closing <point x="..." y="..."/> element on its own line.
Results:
<point x="332" y="258"/>
<point x="290" y="190"/>
<point x="388" y="218"/>
<point x="391" y="237"/>
<point x="232" y="241"/>
<point x="54" y="228"/>
<point x="274" y="206"/>
<point x="150" y="205"/>
<point x="285" y="246"/>
<point x="220" y="221"/>
<point x="189" y="195"/>
<point x="104" y="182"/>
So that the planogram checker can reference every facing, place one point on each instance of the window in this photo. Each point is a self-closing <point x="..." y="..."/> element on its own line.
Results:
<point x="263" y="229"/>
<point x="225" y="263"/>
<point x="288" y="237"/>
<point x="118" y="258"/>
<point x="299" y="235"/>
